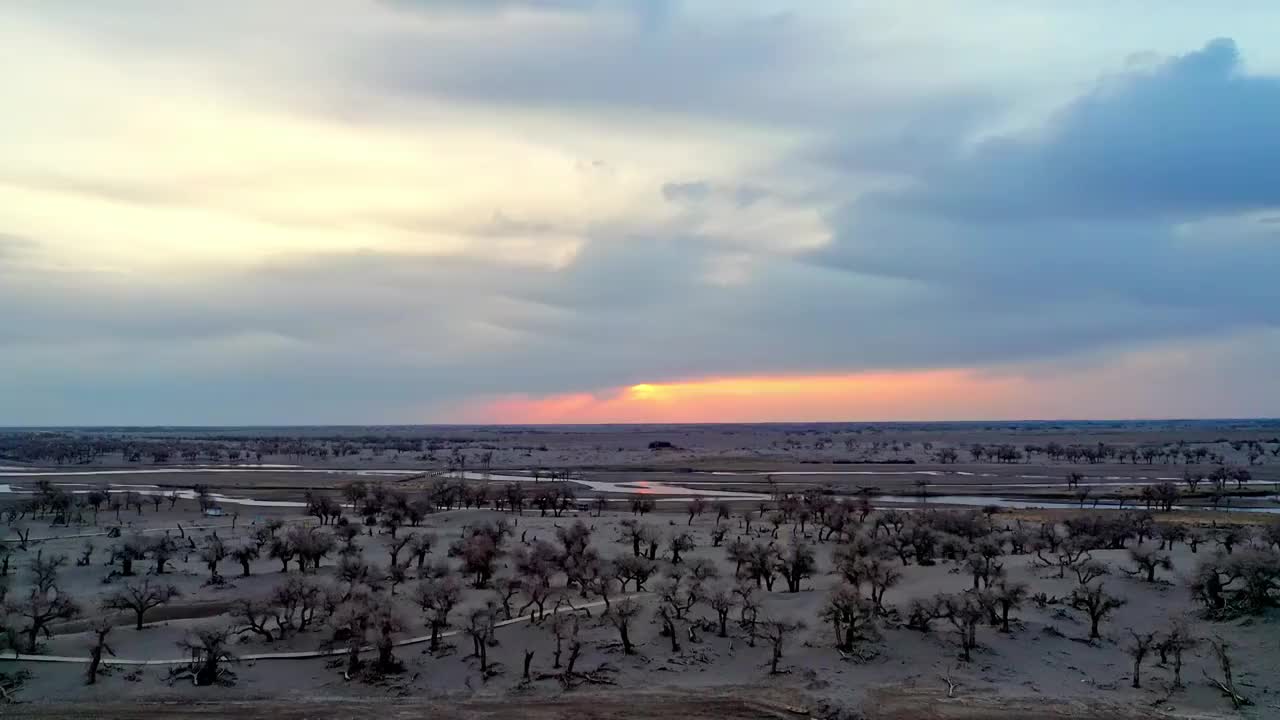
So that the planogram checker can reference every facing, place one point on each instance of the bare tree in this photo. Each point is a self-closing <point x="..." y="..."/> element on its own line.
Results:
<point x="86" y="554"/>
<point x="528" y="660"/>
<point x="298" y="601"/>
<point x="982" y="565"/>
<point x="42" y="607"/>
<point x="140" y="598"/>
<point x="133" y="548"/>
<point x="718" y="534"/>
<point x="396" y="576"/>
<point x="563" y="627"/>
<point x="1271" y="532"/>
<point x="851" y="616"/>
<point x="1139" y="645"/>
<point x="777" y="519"/>
<point x="923" y="611"/>
<point x="209" y="651"/>
<point x="162" y="549"/>
<point x="133" y="500"/>
<point x="776" y="632"/>
<point x="1248" y="581"/>
<point x="44" y="570"/>
<point x="480" y="626"/>
<point x="537" y="594"/>
<point x="721" y="600"/>
<point x="1094" y="601"/>
<point x="211" y="554"/>
<point x="1227" y="684"/>
<point x="1065" y="554"/>
<point x="1177" y="640"/>
<point x="738" y="552"/>
<point x="1148" y="560"/>
<point x="621" y="615"/>
<point x="396" y="544"/>
<point x="1194" y="539"/>
<point x="1007" y="596"/>
<point x="244" y="555"/>
<point x="679" y="542"/>
<point x="506" y="589"/>
<point x="964" y="612"/>
<point x="1228" y="538"/>
<point x="420" y="546"/>
<point x="100" y="630"/>
<point x="761" y="564"/>
<point x="877" y="572"/>
<point x="478" y="552"/>
<point x="254" y="616"/>
<point x="797" y="563"/>
<point x="386" y="622"/>
<point x="281" y="549"/>
<point x="697" y="506"/>
<point x="633" y="569"/>
<point x="637" y="534"/>
<point x="349" y="627"/>
<point x="666" y="615"/>
<point x="1089" y="570"/>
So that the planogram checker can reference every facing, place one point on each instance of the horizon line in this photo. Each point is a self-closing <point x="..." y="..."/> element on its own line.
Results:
<point x="1261" y="419"/>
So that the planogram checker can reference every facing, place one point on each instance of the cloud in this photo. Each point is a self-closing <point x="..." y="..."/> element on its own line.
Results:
<point x="693" y="191"/>
<point x="12" y="246"/>
<point x="1132" y="385"/>
<point x="887" y="396"/>
<point x="246" y="182"/>
<point x="1192" y="136"/>
<point x="1138" y="212"/>
<point x="441" y="201"/>
<point x="648" y="12"/>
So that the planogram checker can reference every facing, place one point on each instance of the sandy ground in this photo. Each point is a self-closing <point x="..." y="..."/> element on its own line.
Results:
<point x="1044" y="668"/>
<point x="1045" y="658"/>
<point x="735" y="704"/>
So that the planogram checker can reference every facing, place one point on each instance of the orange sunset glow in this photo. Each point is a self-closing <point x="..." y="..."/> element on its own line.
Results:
<point x="901" y="395"/>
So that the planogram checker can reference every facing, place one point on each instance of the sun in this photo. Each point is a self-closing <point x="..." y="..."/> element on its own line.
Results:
<point x="645" y="391"/>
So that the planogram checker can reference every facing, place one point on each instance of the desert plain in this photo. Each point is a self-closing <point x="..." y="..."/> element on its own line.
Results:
<point x="817" y="570"/>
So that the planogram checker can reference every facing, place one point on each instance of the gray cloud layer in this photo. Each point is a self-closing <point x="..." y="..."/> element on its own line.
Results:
<point x="1141" y="215"/>
<point x="1134" y="210"/>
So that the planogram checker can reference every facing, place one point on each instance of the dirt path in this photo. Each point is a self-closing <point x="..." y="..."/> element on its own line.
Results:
<point x="578" y="707"/>
<point x="739" y="704"/>
<point x="895" y="703"/>
<point x="16" y="657"/>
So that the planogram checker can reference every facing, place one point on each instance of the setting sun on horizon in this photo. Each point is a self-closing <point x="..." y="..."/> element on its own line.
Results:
<point x="884" y="395"/>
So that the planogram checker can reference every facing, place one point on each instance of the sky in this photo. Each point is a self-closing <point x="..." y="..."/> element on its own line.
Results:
<point x="517" y="211"/>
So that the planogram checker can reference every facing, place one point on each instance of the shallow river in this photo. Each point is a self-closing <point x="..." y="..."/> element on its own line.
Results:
<point x="672" y="493"/>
